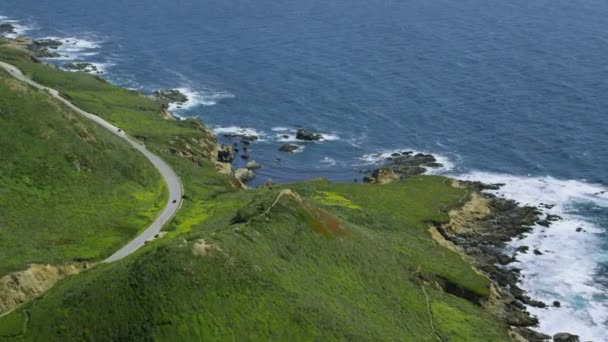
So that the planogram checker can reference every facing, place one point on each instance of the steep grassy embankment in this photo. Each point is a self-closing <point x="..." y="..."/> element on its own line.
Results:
<point x="322" y="260"/>
<point x="69" y="190"/>
<point x="305" y="261"/>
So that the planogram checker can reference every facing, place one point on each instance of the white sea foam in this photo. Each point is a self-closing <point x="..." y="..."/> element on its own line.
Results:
<point x="566" y="269"/>
<point x="246" y="131"/>
<point x="73" y="48"/>
<point x="380" y="157"/>
<point x="19" y="27"/>
<point x="329" y="137"/>
<point x="280" y="129"/>
<point x="329" y="161"/>
<point x="197" y="98"/>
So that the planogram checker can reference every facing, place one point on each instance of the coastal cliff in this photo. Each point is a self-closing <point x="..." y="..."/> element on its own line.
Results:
<point x="307" y="260"/>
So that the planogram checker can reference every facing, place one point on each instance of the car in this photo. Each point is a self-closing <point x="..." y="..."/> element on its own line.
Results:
<point x="174" y="201"/>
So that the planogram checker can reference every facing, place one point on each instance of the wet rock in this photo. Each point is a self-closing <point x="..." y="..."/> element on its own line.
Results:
<point x="579" y="229"/>
<point x="84" y="67"/>
<point x="537" y="252"/>
<point x="168" y="96"/>
<point x="245" y="154"/>
<point x="289" y="148"/>
<point x="544" y="223"/>
<point x="225" y="154"/>
<point x="536" y="303"/>
<point x="557" y="304"/>
<point x="531" y="335"/>
<point x="253" y="165"/>
<point x="41" y="48"/>
<point x="504" y="259"/>
<point x="565" y="337"/>
<point x="6" y="29"/>
<point x="246" y="136"/>
<point x="244" y="175"/>
<point x="303" y="134"/>
<point x="553" y="218"/>
<point x="523" y="249"/>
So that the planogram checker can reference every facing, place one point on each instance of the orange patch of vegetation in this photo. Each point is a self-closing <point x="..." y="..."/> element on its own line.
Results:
<point x="325" y="223"/>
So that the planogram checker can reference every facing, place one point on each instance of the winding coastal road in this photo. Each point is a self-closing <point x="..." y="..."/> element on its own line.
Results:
<point x="173" y="183"/>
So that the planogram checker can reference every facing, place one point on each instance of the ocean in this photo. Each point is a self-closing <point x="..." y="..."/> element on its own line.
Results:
<point x="512" y="92"/>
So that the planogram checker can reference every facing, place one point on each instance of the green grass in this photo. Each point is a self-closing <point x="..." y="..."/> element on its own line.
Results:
<point x="277" y="277"/>
<point x="69" y="190"/>
<point x="130" y="110"/>
<point x="336" y="262"/>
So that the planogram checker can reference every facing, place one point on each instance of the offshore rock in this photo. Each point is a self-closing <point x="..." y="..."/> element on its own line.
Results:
<point x="303" y="134"/>
<point x="289" y="148"/>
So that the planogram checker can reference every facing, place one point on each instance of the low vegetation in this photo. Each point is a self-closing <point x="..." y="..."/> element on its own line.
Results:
<point x="303" y="261"/>
<point x="69" y="190"/>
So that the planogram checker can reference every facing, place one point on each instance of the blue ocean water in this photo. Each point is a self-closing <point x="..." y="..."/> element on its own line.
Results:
<point x="506" y="91"/>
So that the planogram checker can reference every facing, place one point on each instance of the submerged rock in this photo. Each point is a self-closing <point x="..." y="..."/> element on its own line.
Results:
<point x="289" y="148"/>
<point x="303" y="134"/>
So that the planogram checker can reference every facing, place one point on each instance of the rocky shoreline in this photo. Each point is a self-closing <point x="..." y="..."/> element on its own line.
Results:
<point x="479" y="231"/>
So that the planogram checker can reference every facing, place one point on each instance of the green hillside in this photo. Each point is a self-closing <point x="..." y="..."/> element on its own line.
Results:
<point x="327" y="261"/>
<point x="69" y="190"/>
<point x="307" y="261"/>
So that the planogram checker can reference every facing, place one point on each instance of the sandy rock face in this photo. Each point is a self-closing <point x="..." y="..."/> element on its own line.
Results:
<point x="19" y="287"/>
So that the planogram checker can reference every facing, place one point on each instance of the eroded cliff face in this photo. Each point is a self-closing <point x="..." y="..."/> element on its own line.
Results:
<point x="20" y="287"/>
<point x="478" y="231"/>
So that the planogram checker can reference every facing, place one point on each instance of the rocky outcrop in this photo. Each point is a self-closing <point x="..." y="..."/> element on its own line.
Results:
<point x="402" y="165"/>
<point x="42" y="48"/>
<point x="244" y="175"/>
<point x="225" y="154"/>
<point x="253" y="165"/>
<point x="83" y="67"/>
<point x="565" y="337"/>
<point x="6" y="29"/>
<point x="168" y="96"/>
<point x="197" y="148"/>
<point x="479" y="231"/>
<point x="303" y="134"/>
<point x="245" y="136"/>
<point x="382" y="176"/>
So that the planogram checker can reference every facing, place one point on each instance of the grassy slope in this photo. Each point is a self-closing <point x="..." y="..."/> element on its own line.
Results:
<point x="130" y="110"/>
<point x="68" y="189"/>
<point x="350" y="262"/>
<point x="289" y="274"/>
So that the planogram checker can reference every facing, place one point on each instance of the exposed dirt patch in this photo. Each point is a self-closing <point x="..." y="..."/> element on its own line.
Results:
<point x="202" y="248"/>
<point x="20" y="287"/>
